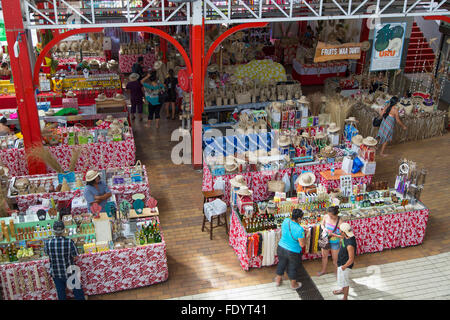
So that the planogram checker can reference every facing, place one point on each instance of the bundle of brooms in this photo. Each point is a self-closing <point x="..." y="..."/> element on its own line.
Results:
<point x="339" y="108"/>
<point x="41" y="153"/>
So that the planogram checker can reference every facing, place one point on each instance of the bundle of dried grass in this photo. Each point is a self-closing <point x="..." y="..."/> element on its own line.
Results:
<point x="40" y="153"/>
<point x="3" y="203"/>
<point x="76" y="153"/>
<point x="315" y="103"/>
<point x="339" y="108"/>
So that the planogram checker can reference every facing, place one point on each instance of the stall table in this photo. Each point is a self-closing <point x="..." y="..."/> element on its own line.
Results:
<point x="316" y="73"/>
<point x="373" y="234"/>
<point x="101" y="273"/>
<point x="96" y="156"/>
<point x="333" y="182"/>
<point x="257" y="180"/>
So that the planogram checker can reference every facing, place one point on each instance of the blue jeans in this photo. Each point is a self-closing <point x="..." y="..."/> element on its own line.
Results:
<point x="61" y="284"/>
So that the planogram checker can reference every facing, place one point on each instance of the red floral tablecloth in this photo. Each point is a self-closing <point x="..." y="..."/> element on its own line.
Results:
<point x="122" y="192"/>
<point x="73" y="60"/>
<point x="372" y="234"/>
<point x="101" y="273"/>
<point x="126" y="61"/>
<point x="97" y="156"/>
<point x="257" y="180"/>
<point x="334" y="184"/>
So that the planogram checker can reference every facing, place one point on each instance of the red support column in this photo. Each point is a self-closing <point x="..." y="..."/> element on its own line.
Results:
<point x="364" y="36"/>
<point x="21" y="71"/>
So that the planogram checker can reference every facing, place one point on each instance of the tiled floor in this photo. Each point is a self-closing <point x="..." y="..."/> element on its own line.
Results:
<point x="416" y="279"/>
<point x="199" y="265"/>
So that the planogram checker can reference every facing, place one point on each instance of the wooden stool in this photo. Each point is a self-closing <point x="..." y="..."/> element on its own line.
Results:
<point x="215" y="194"/>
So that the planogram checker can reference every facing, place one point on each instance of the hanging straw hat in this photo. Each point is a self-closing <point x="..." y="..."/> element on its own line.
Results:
<point x="238" y="181"/>
<point x="100" y="97"/>
<point x="86" y="45"/>
<point x="328" y="152"/>
<point x="91" y="175"/>
<point x="370" y="141"/>
<point x="75" y="46"/>
<point x="306" y="179"/>
<point x="351" y="119"/>
<point x="333" y="128"/>
<point x="213" y="68"/>
<point x="157" y="65"/>
<point x="284" y="141"/>
<point x="303" y="100"/>
<point x="357" y="140"/>
<point x="133" y="77"/>
<point x="244" y="191"/>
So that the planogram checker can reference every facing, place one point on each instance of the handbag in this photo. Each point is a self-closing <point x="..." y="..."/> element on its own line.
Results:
<point x="276" y="185"/>
<point x="137" y="172"/>
<point x="376" y="122"/>
<point x="324" y="241"/>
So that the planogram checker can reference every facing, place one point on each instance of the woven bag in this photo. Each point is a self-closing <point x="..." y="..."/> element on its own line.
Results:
<point x="276" y="185"/>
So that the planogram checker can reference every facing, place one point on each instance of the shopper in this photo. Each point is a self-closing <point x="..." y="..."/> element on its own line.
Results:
<point x="138" y="67"/>
<point x="346" y="260"/>
<point x="152" y="92"/>
<point x="386" y="131"/>
<point x="330" y="225"/>
<point x="171" y="86"/>
<point x="136" y="93"/>
<point x="61" y="252"/>
<point x="4" y="129"/>
<point x="96" y="191"/>
<point x="5" y="73"/>
<point x="290" y="250"/>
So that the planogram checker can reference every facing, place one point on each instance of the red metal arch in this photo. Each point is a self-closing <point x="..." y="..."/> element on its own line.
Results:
<point x="442" y="18"/>
<point x="52" y="43"/>
<point x="227" y="33"/>
<point x="167" y="37"/>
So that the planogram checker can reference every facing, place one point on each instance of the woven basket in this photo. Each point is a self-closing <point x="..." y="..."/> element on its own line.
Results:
<point x="276" y="185"/>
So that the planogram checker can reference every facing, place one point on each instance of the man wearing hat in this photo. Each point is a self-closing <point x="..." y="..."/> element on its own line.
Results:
<point x="61" y="251"/>
<point x="346" y="258"/>
<point x="96" y="191"/>
<point x="136" y="92"/>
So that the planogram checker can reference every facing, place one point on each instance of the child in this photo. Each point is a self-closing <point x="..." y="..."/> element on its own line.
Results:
<point x="346" y="258"/>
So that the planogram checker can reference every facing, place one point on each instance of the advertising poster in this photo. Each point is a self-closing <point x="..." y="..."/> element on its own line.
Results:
<point x="387" y="46"/>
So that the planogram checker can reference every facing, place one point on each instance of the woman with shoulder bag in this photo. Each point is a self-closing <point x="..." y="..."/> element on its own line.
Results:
<point x="329" y="238"/>
<point x="152" y="93"/>
<point x="290" y="249"/>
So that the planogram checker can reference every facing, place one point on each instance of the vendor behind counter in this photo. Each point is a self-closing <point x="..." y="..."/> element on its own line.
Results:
<point x="96" y="190"/>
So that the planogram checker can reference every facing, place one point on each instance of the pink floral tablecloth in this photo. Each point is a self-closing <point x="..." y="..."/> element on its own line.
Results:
<point x="334" y="184"/>
<point x="101" y="273"/>
<point x="97" y="156"/>
<point x="372" y="234"/>
<point x="73" y="60"/>
<point x="257" y="180"/>
<point x="122" y="192"/>
<point x="126" y="61"/>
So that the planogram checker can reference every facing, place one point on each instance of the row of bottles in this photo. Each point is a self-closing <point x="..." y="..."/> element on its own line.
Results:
<point x="259" y="223"/>
<point x="149" y="233"/>
<point x="36" y="232"/>
<point x="9" y="254"/>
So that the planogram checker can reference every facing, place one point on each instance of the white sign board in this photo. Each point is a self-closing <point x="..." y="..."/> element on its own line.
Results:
<point x="387" y="46"/>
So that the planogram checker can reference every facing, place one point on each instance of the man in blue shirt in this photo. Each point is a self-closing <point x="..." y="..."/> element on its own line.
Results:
<point x="96" y="191"/>
<point x="61" y="251"/>
<point x="289" y="249"/>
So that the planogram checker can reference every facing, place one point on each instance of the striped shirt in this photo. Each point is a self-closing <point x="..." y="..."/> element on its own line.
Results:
<point x="60" y="251"/>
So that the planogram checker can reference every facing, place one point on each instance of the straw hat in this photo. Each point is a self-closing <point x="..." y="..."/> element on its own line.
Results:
<point x="323" y="99"/>
<point x="345" y="227"/>
<point x="63" y="47"/>
<point x="212" y="68"/>
<point x="244" y="191"/>
<point x="94" y="64"/>
<point x="357" y="140"/>
<point x="100" y="97"/>
<point x="230" y="164"/>
<point x="277" y="106"/>
<point x="75" y="46"/>
<point x="303" y="100"/>
<point x="370" y="141"/>
<point x="328" y="152"/>
<point x="238" y="181"/>
<point x="333" y="128"/>
<point x="70" y="94"/>
<point x="320" y="135"/>
<point x="290" y="103"/>
<point x="97" y="45"/>
<point x="284" y="141"/>
<point x="113" y="64"/>
<point x="133" y="77"/>
<point x="91" y="175"/>
<point x="157" y="65"/>
<point x="86" y="45"/>
<point x="351" y="119"/>
<point x="119" y="97"/>
<point x="306" y="179"/>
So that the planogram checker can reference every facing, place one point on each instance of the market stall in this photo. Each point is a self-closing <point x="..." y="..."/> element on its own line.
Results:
<point x="317" y="73"/>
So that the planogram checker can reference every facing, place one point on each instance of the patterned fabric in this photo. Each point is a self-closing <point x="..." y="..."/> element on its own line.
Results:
<point x="372" y="234"/>
<point x="386" y="131"/>
<point x="61" y="252"/>
<point x="126" y="61"/>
